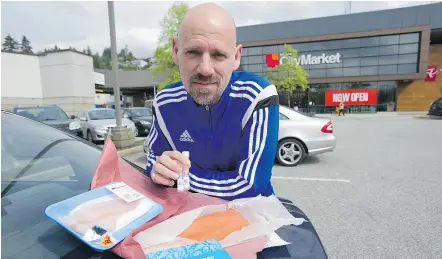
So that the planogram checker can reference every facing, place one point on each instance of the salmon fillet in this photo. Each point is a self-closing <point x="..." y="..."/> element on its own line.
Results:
<point x="217" y="226"/>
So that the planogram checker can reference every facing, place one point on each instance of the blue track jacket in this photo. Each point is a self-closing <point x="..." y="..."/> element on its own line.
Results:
<point x="232" y="144"/>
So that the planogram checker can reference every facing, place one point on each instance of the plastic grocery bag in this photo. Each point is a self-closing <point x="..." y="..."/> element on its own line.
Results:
<point x="103" y="217"/>
<point x="264" y="215"/>
<point x="112" y="168"/>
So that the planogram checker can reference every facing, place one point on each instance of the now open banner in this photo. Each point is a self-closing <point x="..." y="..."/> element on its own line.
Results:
<point x="368" y="96"/>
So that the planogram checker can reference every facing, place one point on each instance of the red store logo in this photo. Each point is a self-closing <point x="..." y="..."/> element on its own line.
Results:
<point x="431" y="73"/>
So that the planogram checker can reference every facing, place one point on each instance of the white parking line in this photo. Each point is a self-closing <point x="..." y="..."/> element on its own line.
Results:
<point x="310" y="179"/>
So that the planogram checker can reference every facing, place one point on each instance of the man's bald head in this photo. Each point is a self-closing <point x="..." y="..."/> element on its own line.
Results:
<point x="206" y="52"/>
<point x="209" y="15"/>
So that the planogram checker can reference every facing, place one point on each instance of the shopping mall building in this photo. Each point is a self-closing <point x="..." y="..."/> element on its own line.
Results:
<point x="388" y="60"/>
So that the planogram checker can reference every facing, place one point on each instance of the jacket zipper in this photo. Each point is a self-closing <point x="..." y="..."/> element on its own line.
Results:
<point x="210" y="120"/>
<point x="210" y="144"/>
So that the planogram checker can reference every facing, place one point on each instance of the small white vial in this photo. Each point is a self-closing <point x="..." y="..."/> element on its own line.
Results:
<point x="186" y="179"/>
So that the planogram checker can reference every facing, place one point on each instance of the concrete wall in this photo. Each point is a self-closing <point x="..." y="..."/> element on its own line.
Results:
<point x="63" y="78"/>
<point x="14" y="84"/>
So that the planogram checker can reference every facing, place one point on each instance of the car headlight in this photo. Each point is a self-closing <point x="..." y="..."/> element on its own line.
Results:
<point x="100" y="128"/>
<point x="145" y="123"/>
<point x="74" y="125"/>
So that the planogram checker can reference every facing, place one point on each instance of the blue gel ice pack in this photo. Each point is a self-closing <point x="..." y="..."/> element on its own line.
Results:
<point x="210" y="249"/>
<point x="96" y="236"/>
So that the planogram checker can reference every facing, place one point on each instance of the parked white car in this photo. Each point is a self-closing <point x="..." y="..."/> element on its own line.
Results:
<point x="301" y="135"/>
<point x="95" y="123"/>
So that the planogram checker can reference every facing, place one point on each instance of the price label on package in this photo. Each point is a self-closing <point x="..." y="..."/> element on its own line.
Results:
<point x="124" y="191"/>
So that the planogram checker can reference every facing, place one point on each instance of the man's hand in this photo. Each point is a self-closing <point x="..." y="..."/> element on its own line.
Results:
<point x="168" y="165"/>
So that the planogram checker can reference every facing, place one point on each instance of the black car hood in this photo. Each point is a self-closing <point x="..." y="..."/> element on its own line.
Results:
<point x="148" y="118"/>
<point x="55" y="123"/>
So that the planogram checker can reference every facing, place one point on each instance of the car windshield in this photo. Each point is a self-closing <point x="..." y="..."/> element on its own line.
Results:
<point x="102" y="114"/>
<point x="39" y="167"/>
<point x="140" y="112"/>
<point x="42" y="113"/>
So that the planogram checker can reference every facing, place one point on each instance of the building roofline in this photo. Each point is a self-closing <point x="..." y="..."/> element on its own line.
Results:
<point x="337" y="15"/>
<point x="46" y="53"/>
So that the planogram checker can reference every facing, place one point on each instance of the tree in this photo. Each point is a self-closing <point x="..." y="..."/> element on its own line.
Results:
<point x="10" y="43"/>
<point x="88" y="51"/>
<point x="162" y="59"/>
<point x="288" y="76"/>
<point x="25" y="45"/>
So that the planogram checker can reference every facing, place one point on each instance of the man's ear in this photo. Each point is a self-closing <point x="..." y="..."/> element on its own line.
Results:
<point x="175" y="50"/>
<point x="238" y="54"/>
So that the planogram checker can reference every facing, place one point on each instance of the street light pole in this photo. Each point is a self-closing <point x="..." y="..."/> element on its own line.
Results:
<point x="113" y="39"/>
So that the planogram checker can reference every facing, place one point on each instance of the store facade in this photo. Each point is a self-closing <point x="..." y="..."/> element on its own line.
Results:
<point x="365" y="69"/>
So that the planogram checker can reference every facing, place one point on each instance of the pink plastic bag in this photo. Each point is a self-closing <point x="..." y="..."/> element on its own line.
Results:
<point x="112" y="168"/>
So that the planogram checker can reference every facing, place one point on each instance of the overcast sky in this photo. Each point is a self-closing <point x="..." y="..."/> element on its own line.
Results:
<point x="79" y="24"/>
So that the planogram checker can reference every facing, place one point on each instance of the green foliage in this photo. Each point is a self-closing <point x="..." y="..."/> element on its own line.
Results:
<point x="25" y="46"/>
<point x="162" y="60"/>
<point x="10" y="44"/>
<point x="288" y="76"/>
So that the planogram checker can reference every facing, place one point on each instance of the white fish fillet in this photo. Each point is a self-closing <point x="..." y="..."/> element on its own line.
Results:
<point x="107" y="212"/>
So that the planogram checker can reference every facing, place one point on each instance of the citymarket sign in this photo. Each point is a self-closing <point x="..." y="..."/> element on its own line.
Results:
<point x="368" y="96"/>
<point x="275" y="59"/>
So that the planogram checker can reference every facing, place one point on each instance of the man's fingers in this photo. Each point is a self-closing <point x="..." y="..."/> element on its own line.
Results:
<point x="159" y="179"/>
<point x="170" y="163"/>
<point x="178" y="156"/>
<point x="164" y="171"/>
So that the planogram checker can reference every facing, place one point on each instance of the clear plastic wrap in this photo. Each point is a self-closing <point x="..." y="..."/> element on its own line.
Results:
<point x="104" y="216"/>
<point x="264" y="215"/>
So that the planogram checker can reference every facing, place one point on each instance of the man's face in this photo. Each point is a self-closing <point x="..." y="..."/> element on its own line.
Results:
<point x="206" y="61"/>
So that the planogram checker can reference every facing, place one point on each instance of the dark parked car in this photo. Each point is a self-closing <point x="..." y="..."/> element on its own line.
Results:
<point x="141" y="116"/>
<point x="51" y="115"/>
<point x="436" y="108"/>
<point x="41" y="166"/>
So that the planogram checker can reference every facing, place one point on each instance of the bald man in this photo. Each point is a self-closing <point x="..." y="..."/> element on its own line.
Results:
<point x="228" y="120"/>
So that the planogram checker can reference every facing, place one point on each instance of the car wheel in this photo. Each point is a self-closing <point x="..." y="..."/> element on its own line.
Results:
<point x="291" y="152"/>
<point x="89" y="136"/>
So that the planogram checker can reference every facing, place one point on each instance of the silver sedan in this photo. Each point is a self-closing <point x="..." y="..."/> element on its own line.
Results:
<point x="301" y="135"/>
<point x="95" y="123"/>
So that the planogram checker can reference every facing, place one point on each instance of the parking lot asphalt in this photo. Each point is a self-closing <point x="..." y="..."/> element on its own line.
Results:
<point x="378" y="195"/>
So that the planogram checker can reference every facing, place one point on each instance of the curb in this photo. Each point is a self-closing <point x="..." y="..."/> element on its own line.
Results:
<point x="431" y="117"/>
<point x="130" y="151"/>
<point x="421" y="116"/>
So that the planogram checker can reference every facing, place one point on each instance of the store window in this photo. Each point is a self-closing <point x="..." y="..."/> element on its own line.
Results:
<point x="369" y="61"/>
<point x="408" y="58"/>
<point x="256" y="60"/>
<point x="270" y="49"/>
<point x="352" y="62"/>
<point x="334" y="72"/>
<point x="389" y="50"/>
<point x="255" y="51"/>
<point x="388" y="60"/>
<point x="378" y="55"/>
<point x="389" y="40"/>
<point x="371" y="51"/>
<point x="408" y="48"/>
<point x="407" y="68"/>
<point x="370" y="41"/>
<point x="318" y="73"/>
<point x="369" y="71"/>
<point x="387" y="70"/>
<point x="351" y="71"/>
<point x="409" y="38"/>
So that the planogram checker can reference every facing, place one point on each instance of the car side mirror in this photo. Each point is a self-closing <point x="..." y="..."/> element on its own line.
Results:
<point x="83" y="118"/>
<point x="73" y="117"/>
